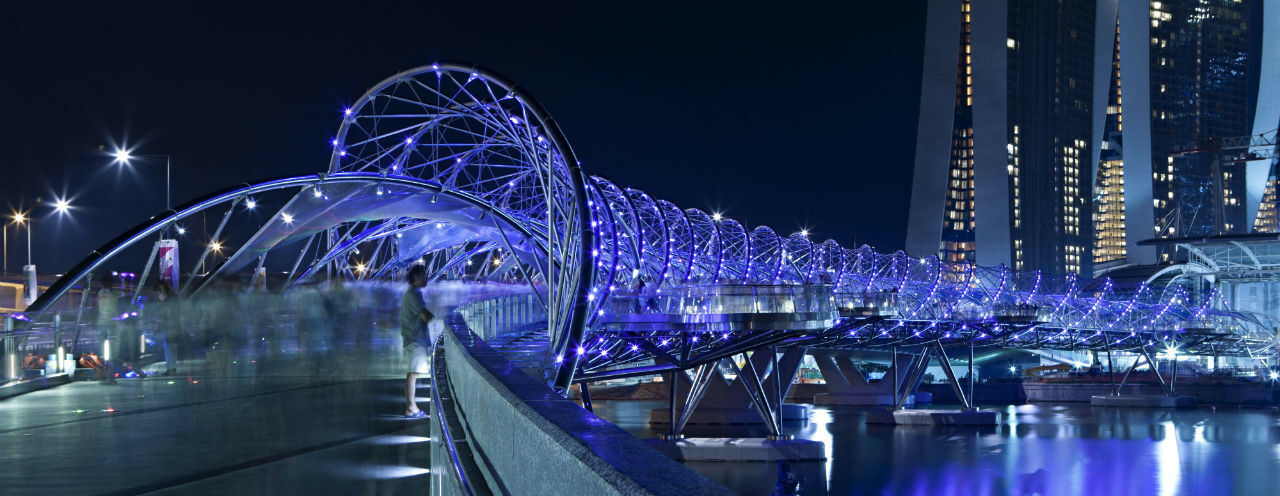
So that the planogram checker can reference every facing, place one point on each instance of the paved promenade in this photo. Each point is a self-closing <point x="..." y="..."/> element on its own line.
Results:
<point x="251" y="434"/>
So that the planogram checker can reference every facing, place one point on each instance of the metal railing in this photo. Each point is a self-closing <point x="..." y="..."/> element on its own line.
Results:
<point x="453" y="478"/>
<point x="723" y="299"/>
<point x="497" y="317"/>
<point x="871" y="304"/>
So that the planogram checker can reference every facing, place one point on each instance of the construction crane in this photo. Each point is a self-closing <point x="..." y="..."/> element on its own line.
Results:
<point x="1234" y="149"/>
<point x="1231" y="150"/>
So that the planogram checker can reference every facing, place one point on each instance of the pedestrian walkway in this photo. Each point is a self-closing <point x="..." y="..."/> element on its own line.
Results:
<point x="250" y="434"/>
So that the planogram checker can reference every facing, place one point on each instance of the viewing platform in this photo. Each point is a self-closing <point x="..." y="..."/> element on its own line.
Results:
<point x="722" y="308"/>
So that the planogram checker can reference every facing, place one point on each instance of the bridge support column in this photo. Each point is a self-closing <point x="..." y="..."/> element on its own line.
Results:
<point x="754" y="396"/>
<point x="1168" y="400"/>
<point x="847" y="385"/>
<point x="966" y="415"/>
<point x="586" y="397"/>
<point x="708" y="398"/>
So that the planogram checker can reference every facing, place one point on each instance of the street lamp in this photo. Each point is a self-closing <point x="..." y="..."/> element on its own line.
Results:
<point x="21" y="218"/>
<point x="123" y="156"/>
<point x="61" y="205"/>
<point x="28" y="270"/>
<point x="18" y="218"/>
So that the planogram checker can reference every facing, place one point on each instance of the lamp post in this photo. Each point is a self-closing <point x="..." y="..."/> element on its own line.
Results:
<point x="28" y="270"/>
<point x="21" y="218"/>
<point x="166" y="246"/>
<point x="123" y="157"/>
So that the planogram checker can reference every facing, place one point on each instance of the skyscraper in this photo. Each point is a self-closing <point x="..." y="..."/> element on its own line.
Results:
<point x="1057" y="136"/>
<point x="1001" y="174"/>
<point x="1176" y="84"/>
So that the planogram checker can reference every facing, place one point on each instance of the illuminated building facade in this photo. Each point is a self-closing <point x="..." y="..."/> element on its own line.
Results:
<point x="1001" y="174"/>
<point x="1176" y="75"/>
<point x="1108" y="188"/>
<point x="1199" y="89"/>
<point x="1056" y="136"/>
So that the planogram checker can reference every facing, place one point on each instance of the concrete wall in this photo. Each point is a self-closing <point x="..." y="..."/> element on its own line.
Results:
<point x="537" y="442"/>
<point x="1135" y="86"/>
<point x="1214" y="394"/>
<point x="1267" y="115"/>
<point x="933" y="134"/>
<point x="992" y="228"/>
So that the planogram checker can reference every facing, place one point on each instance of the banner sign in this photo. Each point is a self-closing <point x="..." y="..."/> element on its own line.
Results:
<point x="168" y="261"/>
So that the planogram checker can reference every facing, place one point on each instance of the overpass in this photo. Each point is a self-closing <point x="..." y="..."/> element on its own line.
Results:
<point x="574" y="279"/>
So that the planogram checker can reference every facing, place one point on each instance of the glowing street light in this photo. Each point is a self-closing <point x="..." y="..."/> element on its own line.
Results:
<point x="22" y="219"/>
<point x="29" y="270"/>
<point x="216" y="246"/>
<point x="288" y="219"/>
<point x="18" y="218"/>
<point x="62" y="206"/>
<point x="715" y="216"/>
<point x="124" y="156"/>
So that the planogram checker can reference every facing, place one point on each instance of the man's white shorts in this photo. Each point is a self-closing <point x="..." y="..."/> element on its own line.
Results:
<point x="418" y="363"/>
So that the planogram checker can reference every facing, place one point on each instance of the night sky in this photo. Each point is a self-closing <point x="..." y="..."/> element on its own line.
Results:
<point x="790" y="116"/>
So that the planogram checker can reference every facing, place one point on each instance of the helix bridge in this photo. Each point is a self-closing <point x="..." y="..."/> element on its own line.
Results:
<point x="458" y="168"/>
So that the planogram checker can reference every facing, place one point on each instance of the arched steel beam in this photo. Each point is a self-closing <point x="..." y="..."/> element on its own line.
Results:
<point x="159" y="222"/>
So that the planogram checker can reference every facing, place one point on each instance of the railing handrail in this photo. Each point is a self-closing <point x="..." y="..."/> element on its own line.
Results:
<point x="439" y="418"/>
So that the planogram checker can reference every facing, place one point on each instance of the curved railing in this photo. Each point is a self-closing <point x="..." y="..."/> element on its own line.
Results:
<point x="509" y="419"/>
<point x="451" y="476"/>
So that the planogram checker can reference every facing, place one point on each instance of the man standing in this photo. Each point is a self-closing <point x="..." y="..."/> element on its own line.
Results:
<point x="414" y="317"/>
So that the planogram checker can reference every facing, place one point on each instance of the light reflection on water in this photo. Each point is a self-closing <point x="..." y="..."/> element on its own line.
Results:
<point x="1037" y="449"/>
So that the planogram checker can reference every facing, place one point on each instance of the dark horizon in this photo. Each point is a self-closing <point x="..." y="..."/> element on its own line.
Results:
<point x="792" y="119"/>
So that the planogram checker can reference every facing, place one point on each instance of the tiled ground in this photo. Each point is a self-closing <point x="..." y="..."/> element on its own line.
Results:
<point x="253" y="434"/>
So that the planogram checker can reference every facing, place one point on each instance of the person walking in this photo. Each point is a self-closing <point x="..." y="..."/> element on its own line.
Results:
<point x="167" y="313"/>
<point x="414" y="318"/>
<point x="108" y="312"/>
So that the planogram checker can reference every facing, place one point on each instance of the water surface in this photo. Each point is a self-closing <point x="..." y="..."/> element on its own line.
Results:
<point x="1048" y="449"/>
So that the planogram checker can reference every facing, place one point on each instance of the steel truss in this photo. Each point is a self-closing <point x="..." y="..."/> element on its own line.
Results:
<point x="520" y="209"/>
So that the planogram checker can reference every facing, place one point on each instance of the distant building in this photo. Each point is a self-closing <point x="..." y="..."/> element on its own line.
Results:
<point x="1065" y="132"/>
<point x="1002" y="172"/>
<point x="1176" y="76"/>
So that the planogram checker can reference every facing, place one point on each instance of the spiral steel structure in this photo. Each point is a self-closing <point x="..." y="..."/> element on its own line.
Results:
<point x="456" y="167"/>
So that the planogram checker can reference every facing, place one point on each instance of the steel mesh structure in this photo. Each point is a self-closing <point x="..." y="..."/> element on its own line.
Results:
<point x="458" y="168"/>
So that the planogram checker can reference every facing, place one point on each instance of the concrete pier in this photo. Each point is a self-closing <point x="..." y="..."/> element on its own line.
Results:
<point x="733" y="449"/>
<point x="868" y="399"/>
<point x="934" y="417"/>
<point x="1144" y="401"/>
<point x="711" y="415"/>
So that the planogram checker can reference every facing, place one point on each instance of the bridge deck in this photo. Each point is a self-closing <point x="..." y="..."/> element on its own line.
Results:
<point x="235" y="435"/>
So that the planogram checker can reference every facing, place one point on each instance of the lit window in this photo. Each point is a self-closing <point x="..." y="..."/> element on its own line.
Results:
<point x="1011" y="43"/>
